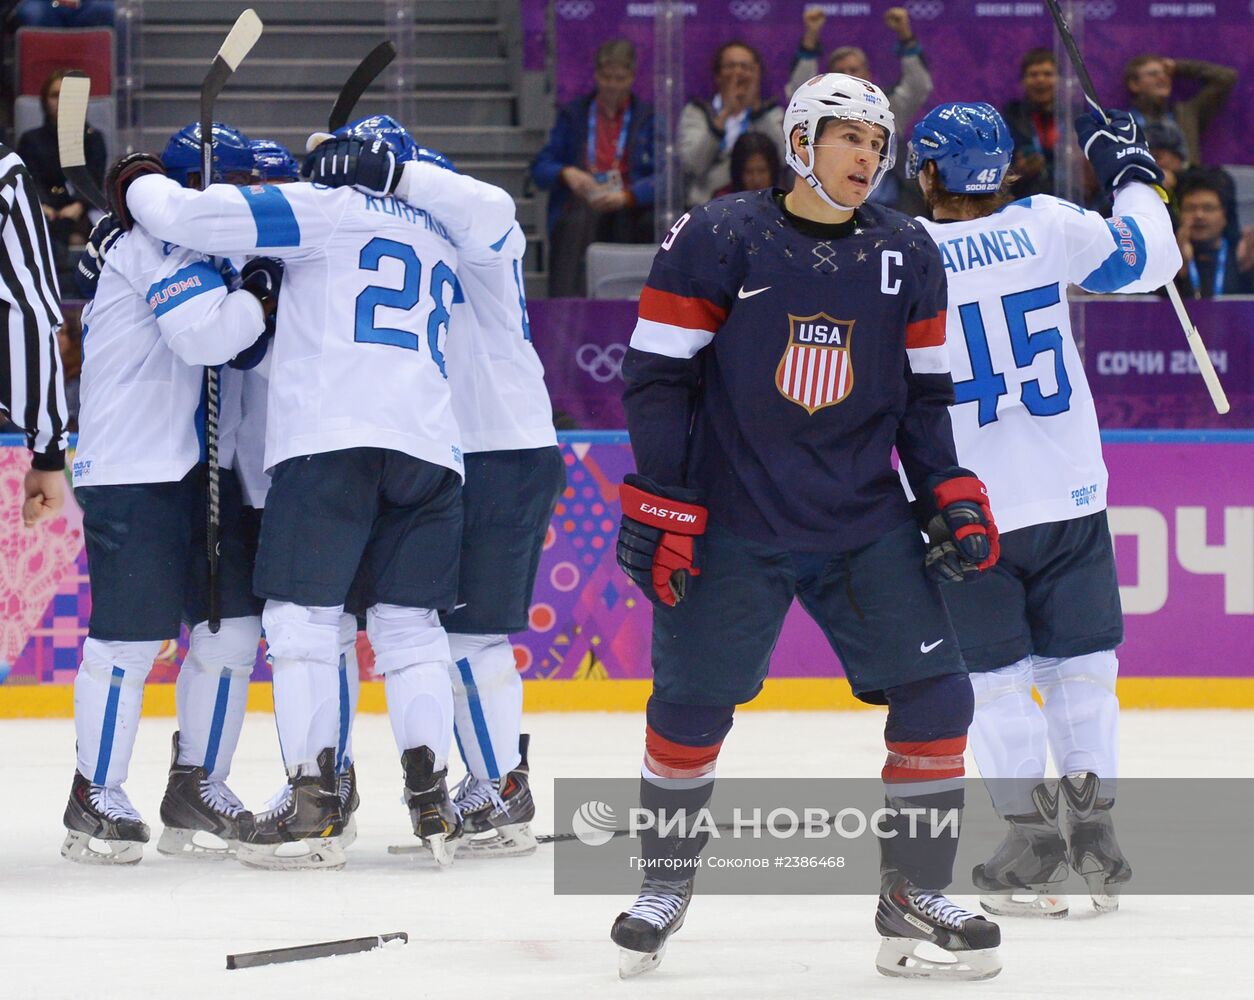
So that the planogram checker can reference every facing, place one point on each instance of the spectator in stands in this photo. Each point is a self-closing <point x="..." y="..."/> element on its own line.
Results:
<point x="709" y="129"/>
<point x="598" y="168"/>
<point x="905" y="98"/>
<point x="1149" y="80"/>
<point x="754" y="164"/>
<point x="1215" y="263"/>
<point x="64" y="13"/>
<point x="67" y="213"/>
<point x="1033" y="125"/>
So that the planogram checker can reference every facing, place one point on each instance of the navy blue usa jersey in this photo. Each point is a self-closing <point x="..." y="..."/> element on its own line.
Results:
<point x="777" y="361"/>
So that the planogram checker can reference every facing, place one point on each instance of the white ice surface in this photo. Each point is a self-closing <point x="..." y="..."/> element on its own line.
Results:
<point x="494" y="930"/>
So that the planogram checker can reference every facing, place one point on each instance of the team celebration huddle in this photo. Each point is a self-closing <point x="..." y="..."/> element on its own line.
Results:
<point x="310" y="406"/>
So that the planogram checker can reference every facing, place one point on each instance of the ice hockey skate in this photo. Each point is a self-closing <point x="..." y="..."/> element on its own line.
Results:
<point x="102" y="827"/>
<point x="1092" y="849"/>
<point x="436" y="820"/>
<point x="304" y="828"/>
<point x="496" y="816"/>
<point x="915" y="923"/>
<point x="643" y="931"/>
<point x="349" y="801"/>
<point x="203" y="818"/>
<point x="1016" y="880"/>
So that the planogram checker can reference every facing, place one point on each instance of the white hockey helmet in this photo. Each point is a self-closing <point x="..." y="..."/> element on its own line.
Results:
<point x="836" y="95"/>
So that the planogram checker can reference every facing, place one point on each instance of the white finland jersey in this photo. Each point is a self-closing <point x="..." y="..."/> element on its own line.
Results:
<point x="499" y="395"/>
<point x="160" y="314"/>
<point x="358" y="357"/>
<point x="1024" y="419"/>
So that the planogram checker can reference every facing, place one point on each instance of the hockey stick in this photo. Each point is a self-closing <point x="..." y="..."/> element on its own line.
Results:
<point x="1217" y="394"/>
<point x="376" y="61"/>
<point x="242" y="37"/>
<point x="71" y="123"/>
<point x="304" y="952"/>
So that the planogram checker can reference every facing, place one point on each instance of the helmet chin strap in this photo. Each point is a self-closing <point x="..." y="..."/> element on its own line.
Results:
<point x="818" y="188"/>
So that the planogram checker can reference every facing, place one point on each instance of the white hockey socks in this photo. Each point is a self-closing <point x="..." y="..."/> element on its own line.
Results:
<point x="211" y="693"/>
<point x="350" y="692"/>
<point x="1007" y="736"/>
<point x="108" y="697"/>
<point x="412" y="653"/>
<point x="1082" y="710"/>
<point x="487" y="700"/>
<point x="304" y="650"/>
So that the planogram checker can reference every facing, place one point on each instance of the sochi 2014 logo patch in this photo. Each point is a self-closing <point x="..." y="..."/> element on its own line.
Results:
<point x="817" y="367"/>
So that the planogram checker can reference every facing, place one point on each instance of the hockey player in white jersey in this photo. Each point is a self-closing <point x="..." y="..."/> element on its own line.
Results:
<point x="514" y="476"/>
<point x="366" y="464"/>
<point x="1048" y="614"/>
<point x="159" y="315"/>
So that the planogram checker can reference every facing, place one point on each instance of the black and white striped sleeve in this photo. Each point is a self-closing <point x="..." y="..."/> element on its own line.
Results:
<point x="32" y="387"/>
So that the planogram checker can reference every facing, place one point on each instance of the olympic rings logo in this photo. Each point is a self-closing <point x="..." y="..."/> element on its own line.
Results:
<point x="1100" y="10"/>
<point x="749" y="10"/>
<point x="603" y="364"/>
<point x="925" y="10"/>
<point x="575" y="10"/>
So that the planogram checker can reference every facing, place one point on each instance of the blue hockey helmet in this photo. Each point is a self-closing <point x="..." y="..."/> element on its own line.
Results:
<point x="232" y="157"/>
<point x="383" y="127"/>
<point x="424" y="154"/>
<point x="969" y="143"/>
<point x="272" y="161"/>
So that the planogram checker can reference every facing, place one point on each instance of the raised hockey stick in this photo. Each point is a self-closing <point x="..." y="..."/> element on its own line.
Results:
<point x="1204" y="365"/>
<point x="367" y="71"/>
<point x="71" y="123"/>
<point x="239" y="41"/>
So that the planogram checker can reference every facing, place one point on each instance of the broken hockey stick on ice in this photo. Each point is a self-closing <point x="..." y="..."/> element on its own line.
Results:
<point x="239" y="42"/>
<point x="378" y="59"/>
<point x="71" y="123"/>
<point x="1217" y="394"/>
<point x="304" y="952"/>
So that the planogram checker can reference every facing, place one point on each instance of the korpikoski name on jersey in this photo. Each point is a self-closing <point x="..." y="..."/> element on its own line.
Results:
<point x="777" y="362"/>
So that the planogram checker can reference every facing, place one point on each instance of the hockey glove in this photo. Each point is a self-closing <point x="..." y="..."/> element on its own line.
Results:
<point x="655" y="541"/>
<point x="962" y="536"/>
<point x="119" y="178"/>
<point x="91" y="262"/>
<point x="263" y="276"/>
<point x="1117" y="150"/>
<point x="368" y="165"/>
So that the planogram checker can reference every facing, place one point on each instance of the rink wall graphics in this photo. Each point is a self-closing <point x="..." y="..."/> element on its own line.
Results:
<point x="1182" y="509"/>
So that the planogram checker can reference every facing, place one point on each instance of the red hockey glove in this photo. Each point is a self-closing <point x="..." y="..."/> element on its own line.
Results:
<point x="962" y="534"/>
<point x="656" y="538"/>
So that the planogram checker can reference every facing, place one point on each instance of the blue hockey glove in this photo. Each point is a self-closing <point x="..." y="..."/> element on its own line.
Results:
<point x="263" y="276"/>
<point x="655" y="539"/>
<point x="962" y="536"/>
<point x="1117" y="150"/>
<point x="103" y="235"/>
<point x="368" y="165"/>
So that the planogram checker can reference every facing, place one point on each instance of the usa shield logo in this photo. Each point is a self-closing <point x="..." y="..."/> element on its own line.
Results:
<point x="817" y="367"/>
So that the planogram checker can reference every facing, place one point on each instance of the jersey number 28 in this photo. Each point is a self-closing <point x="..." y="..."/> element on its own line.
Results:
<point x="986" y="386"/>
<point x="405" y="297"/>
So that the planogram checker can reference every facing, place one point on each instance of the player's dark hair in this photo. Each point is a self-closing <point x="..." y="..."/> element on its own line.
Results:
<point x="751" y="144"/>
<point x="1034" y="57"/>
<point x="968" y="205"/>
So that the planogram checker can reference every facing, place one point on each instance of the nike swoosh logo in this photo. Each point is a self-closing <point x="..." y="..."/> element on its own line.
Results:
<point x="926" y="647"/>
<point x="742" y="294"/>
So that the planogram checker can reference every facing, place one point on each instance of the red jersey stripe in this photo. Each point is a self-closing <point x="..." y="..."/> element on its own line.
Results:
<point x="684" y="311"/>
<point x="926" y="332"/>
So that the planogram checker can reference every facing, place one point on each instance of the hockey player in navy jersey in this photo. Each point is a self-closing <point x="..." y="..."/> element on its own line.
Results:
<point x="514" y="475"/>
<point x="366" y="463"/>
<point x="1048" y="614"/>
<point x="786" y="343"/>
<point x="159" y="315"/>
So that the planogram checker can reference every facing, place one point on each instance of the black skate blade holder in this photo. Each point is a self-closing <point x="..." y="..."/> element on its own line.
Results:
<point x="304" y="952"/>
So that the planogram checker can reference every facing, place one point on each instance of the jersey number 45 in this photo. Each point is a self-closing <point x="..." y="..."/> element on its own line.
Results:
<point x="985" y="386"/>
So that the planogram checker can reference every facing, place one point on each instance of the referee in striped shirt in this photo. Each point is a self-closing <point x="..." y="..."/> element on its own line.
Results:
<point x="32" y="387"/>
